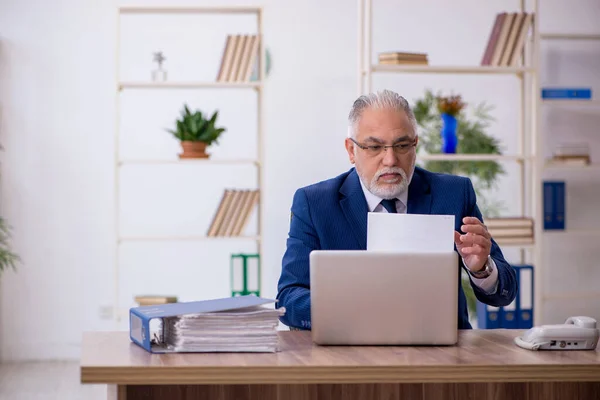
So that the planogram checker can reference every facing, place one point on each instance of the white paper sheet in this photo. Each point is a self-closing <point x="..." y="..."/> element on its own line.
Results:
<point x="410" y="233"/>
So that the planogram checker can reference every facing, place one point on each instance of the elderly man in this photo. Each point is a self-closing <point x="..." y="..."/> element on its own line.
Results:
<point x="332" y="215"/>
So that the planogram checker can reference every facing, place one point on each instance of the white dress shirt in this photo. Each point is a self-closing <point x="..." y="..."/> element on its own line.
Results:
<point x="488" y="285"/>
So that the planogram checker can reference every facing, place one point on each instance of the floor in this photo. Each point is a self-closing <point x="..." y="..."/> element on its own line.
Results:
<point x="46" y="380"/>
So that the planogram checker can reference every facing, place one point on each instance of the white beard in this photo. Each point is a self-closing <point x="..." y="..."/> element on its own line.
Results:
<point x="387" y="191"/>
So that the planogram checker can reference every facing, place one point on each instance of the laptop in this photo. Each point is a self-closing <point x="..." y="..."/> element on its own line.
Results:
<point x="361" y="297"/>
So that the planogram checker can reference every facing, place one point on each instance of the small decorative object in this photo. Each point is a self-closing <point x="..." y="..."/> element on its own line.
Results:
<point x="268" y="66"/>
<point x="159" y="74"/>
<point x="243" y="273"/>
<point x="449" y="108"/>
<point x="196" y="133"/>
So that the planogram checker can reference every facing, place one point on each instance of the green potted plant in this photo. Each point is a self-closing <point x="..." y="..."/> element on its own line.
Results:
<point x="196" y="132"/>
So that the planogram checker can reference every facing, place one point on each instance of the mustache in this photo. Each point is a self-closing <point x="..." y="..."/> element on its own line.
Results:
<point x="391" y="170"/>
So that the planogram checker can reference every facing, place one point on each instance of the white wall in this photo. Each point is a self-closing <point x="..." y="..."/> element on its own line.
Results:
<point x="57" y="76"/>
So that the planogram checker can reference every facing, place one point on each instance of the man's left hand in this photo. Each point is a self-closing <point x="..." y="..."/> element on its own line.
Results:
<point x="475" y="245"/>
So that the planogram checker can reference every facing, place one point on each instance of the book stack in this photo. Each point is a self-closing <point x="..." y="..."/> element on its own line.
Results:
<point x="397" y="58"/>
<point x="234" y="324"/>
<point x="233" y="212"/>
<point x="152" y="300"/>
<point x="511" y="230"/>
<point x="507" y="39"/>
<point x="239" y="58"/>
<point x="573" y="154"/>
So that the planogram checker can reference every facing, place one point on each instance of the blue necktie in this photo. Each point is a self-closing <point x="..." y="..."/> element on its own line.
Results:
<point x="389" y="205"/>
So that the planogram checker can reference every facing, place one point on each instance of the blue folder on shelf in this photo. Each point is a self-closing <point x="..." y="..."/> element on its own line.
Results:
<point x="567" y="93"/>
<point x="518" y="314"/>
<point x="140" y="318"/>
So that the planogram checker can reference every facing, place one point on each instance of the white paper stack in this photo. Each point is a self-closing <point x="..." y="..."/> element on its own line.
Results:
<point x="251" y="329"/>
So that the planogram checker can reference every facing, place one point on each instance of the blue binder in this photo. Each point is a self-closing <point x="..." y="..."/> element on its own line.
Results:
<point x="567" y="93"/>
<point x="141" y="317"/>
<point x="554" y="205"/>
<point x="518" y="317"/>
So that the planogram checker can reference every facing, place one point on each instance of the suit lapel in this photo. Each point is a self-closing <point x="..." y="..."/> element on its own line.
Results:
<point x="419" y="194"/>
<point x="354" y="207"/>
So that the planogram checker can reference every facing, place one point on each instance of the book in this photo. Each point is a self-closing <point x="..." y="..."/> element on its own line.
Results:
<point x="150" y="300"/>
<point x="500" y="47"/>
<point x="397" y="58"/>
<point x="554" y="205"/>
<point x="573" y="161"/>
<point x="566" y="93"/>
<point x="493" y="39"/>
<point x="507" y="39"/>
<point x="509" y="222"/>
<point x="512" y="39"/>
<point x="516" y="241"/>
<point x="239" y="58"/>
<point x="572" y="149"/>
<point x="232" y="324"/>
<point x="507" y="233"/>
<point x="233" y="212"/>
<point x="520" y="41"/>
<point x="511" y="230"/>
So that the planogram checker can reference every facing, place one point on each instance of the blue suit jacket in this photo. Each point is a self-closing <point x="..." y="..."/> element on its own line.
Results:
<point x="332" y="215"/>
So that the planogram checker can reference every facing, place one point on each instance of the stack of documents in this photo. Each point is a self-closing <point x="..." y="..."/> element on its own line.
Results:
<point x="236" y="324"/>
<point x="249" y="330"/>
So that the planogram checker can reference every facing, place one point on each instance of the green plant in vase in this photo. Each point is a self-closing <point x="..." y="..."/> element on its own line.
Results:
<point x="196" y="132"/>
<point x="470" y="138"/>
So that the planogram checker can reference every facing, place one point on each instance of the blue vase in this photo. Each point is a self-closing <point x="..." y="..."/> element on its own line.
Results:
<point x="449" y="139"/>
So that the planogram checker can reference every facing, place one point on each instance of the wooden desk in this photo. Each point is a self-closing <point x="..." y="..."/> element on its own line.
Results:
<point x="485" y="365"/>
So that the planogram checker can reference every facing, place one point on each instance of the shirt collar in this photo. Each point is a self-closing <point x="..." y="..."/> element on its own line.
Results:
<point x="373" y="200"/>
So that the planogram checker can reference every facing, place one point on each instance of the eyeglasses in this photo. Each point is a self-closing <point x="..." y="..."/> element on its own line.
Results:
<point x="376" y="149"/>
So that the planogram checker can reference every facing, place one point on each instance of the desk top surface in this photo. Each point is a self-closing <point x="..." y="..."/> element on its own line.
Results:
<point x="480" y="356"/>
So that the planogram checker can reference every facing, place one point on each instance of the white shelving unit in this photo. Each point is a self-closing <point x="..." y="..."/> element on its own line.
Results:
<point x="575" y="105"/>
<point x="528" y="154"/>
<point x="257" y="86"/>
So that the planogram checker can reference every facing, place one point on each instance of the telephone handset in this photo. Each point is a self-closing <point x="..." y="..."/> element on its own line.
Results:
<point x="577" y="333"/>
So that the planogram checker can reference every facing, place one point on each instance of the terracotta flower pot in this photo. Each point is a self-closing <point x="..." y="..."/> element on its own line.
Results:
<point x="193" y="150"/>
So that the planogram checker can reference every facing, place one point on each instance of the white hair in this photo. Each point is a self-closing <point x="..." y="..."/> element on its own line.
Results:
<point x="384" y="99"/>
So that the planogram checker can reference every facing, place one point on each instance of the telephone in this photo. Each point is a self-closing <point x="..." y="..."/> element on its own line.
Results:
<point x="577" y="333"/>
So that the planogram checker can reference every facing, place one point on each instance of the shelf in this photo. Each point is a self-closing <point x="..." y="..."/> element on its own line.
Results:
<point x="575" y="231"/>
<point x="434" y="69"/>
<point x="190" y="161"/>
<point x="568" y="103"/>
<point x="183" y="238"/>
<point x="514" y="245"/>
<point x="572" y="296"/>
<point x="189" y="10"/>
<point x="189" y="85"/>
<point x="569" y="36"/>
<point x="469" y="157"/>
<point x="590" y="167"/>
